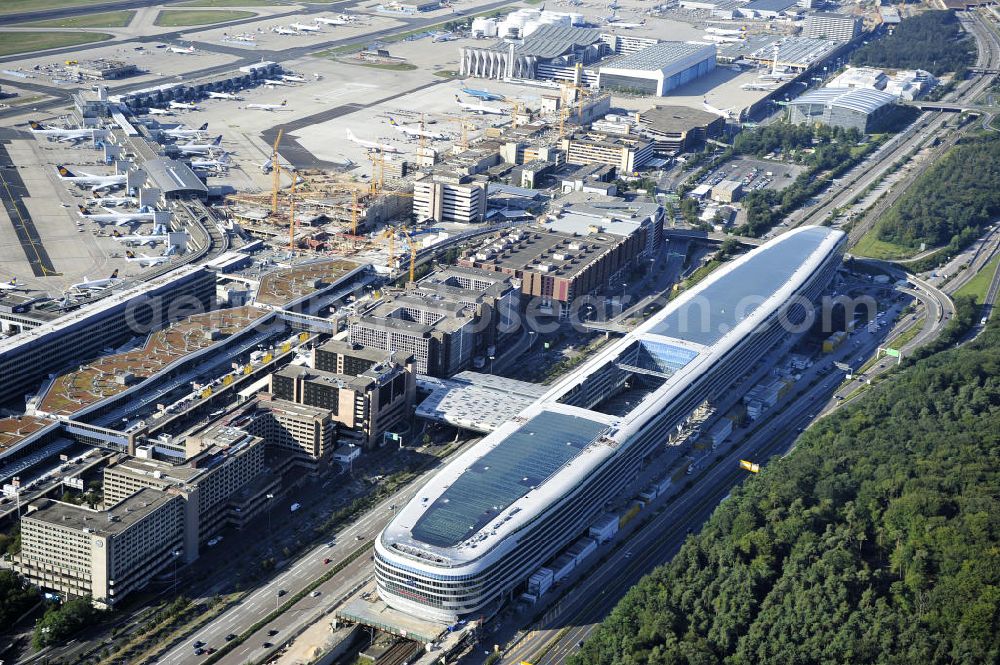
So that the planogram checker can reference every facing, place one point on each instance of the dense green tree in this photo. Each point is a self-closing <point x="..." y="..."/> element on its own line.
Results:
<point x="59" y="622"/>
<point x="876" y="541"/>
<point x="16" y="597"/>
<point x="932" y="41"/>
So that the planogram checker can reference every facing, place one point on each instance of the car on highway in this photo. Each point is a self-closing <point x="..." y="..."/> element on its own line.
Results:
<point x="272" y="632"/>
<point x="281" y="592"/>
<point x="199" y="651"/>
<point x="199" y="644"/>
<point x="315" y="594"/>
<point x="628" y="554"/>
<point x="267" y="645"/>
<point x="230" y="637"/>
<point x="326" y="561"/>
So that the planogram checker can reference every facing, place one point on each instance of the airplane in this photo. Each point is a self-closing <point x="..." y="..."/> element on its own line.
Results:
<point x="283" y="106"/>
<point x="723" y="39"/>
<point x="145" y="261"/>
<point x="274" y="82"/>
<point x="12" y="285"/>
<point x="95" y="182"/>
<point x="159" y="235"/>
<point x="183" y="51"/>
<point x="409" y="131"/>
<point x="725" y="113"/>
<point x="484" y="95"/>
<point x="371" y="145"/>
<point x="212" y="164"/>
<point x="113" y="201"/>
<point x="302" y="27"/>
<point x="613" y="20"/>
<point x="724" y="31"/>
<point x="97" y="284"/>
<point x="282" y="30"/>
<point x="155" y="111"/>
<point x="200" y="148"/>
<point x="224" y="95"/>
<point x="178" y="132"/>
<point x="183" y="106"/>
<point x="65" y="135"/>
<point x="118" y="218"/>
<point x="340" y="20"/>
<point x="482" y="109"/>
<point x="443" y="37"/>
<point x="292" y="78"/>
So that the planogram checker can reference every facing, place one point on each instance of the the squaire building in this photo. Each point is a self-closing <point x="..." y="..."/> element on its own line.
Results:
<point x="476" y="531"/>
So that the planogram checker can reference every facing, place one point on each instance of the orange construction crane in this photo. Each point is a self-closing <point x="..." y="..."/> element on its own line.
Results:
<point x="291" y="215"/>
<point x="275" y="172"/>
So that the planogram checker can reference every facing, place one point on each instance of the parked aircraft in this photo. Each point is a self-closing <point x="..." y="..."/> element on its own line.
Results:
<point x="480" y="108"/>
<point x="118" y="218"/>
<point x="302" y="27"/>
<point x="410" y="131"/>
<point x="12" y="285"/>
<point x="283" y="106"/>
<point x="95" y="182"/>
<point x="183" y="106"/>
<point x="179" y="132"/>
<point x="145" y="261"/>
<point x="274" y="82"/>
<point x="725" y="113"/>
<point x="183" y="51"/>
<point x="340" y="20"/>
<point x="443" y="37"/>
<point x="371" y="145"/>
<point x="97" y="284"/>
<point x="200" y="148"/>
<point x="484" y="95"/>
<point x="282" y="30"/>
<point x="66" y="135"/>
<point x="292" y="78"/>
<point x="155" y="111"/>
<point x="113" y="201"/>
<point x="159" y="235"/>
<point x="219" y="164"/>
<point x="224" y="95"/>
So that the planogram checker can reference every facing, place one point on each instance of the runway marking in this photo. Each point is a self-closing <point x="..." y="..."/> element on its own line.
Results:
<point x="24" y="227"/>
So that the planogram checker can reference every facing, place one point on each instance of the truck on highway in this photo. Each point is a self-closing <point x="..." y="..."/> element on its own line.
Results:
<point x="294" y="507"/>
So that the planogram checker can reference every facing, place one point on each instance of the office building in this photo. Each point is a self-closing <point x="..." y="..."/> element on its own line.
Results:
<point x="555" y="268"/>
<point x="474" y="534"/>
<point x="860" y="77"/>
<point x="76" y="551"/>
<point x="835" y="27"/>
<point x="857" y="108"/>
<point x="625" y="153"/>
<point x="309" y="433"/>
<point x="227" y="461"/>
<point x="658" y="69"/>
<point x="26" y="359"/>
<point x="449" y="197"/>
<point x="677" y="129"/>
<point x="365" y="405"/>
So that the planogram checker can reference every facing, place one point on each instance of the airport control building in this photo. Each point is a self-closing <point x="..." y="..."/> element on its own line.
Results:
<point x="475" y="533"/>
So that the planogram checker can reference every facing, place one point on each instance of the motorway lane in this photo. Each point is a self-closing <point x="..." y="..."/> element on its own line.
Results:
<point x="296" y="577"/>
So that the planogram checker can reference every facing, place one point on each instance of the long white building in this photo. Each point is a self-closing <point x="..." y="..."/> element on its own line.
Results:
<point x="474" y="534"/>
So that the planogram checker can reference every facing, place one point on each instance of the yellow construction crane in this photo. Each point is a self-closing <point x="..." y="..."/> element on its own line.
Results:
<point x="354" y="214"/>
<point x="413" y="252"/>
<point x="275" y="172"/>
<point x="515" y="112"/>
<point x="291" y="215"/>
<point x="378" y="166"/>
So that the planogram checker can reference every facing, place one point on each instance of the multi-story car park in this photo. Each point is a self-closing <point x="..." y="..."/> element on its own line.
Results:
<point x="477" y="531"/>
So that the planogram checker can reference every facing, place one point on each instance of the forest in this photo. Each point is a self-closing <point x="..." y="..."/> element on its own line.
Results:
<point x="932" y="41"/>
<point x="875" y="541"/>
<point x="952" y="202"/>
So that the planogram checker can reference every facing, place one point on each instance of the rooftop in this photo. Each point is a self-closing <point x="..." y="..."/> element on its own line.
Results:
<point x="863" y="100"/>
<point x="550" y="41"/>
<point x="173" y="177"/>
<point x="284" y="286"/>
<point x="108" y="522"/>
<point x="769" y="5"/>
<point x="544" y="251"/>
<point x="659" y="56"/>
<point x="16" y="428"/>
<point x="527" y="458"/>
<point x="676" y="119"/>
<point x="109" y="375"/>
<point x="474" y="401"/>
<point x="796" y="51"/>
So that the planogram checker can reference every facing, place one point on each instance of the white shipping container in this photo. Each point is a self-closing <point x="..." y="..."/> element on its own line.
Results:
<point x="604" y="528"/>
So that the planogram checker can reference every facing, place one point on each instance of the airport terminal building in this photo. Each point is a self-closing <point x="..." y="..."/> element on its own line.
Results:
<point x="475" y="533"/>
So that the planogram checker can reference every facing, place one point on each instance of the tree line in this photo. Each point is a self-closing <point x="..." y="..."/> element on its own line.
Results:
<point x="876" y="541"/>
<point x="932" y="41"/>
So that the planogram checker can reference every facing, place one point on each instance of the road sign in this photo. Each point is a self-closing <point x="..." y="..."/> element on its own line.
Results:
<point x="892" y="353"/>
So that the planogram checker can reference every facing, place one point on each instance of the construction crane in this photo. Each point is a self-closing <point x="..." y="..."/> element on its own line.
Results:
<point x="464" y="141"/>
<point x="291" y="215"/>
<point x="275" y="172"/>
<point x="515" y="111"/>
<point x="377" y="160"/>
<point x="413" y="253"/>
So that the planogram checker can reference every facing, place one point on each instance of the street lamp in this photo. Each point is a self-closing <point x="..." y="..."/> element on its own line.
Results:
<point x="491" y="363"/>
<point x="176" y="555"/>
<point x="269" y="497"/>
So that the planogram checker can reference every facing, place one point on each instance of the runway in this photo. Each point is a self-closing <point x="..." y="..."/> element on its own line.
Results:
<point x="12" y="191"/>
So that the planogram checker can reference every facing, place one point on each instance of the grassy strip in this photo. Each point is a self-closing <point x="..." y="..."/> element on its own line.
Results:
<point x="231" y="3"/>
<point x="447" y="73"/>
<point x="21" y="42"/>
<point x="118" y="19"/>
<point x="248" y="633"/>
<point x="18" y="6"/>
<point x="872" y="247"/>
<point x="178" y="18"/>
<point x="980" y="284"/>
<point x="391" y="66"/>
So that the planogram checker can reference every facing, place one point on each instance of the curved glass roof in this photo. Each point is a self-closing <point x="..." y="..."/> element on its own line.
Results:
<point x="721" y="305"/>
<point x="523" y="460"/>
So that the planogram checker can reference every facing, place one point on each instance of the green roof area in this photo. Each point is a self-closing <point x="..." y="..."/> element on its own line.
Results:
<point x="523" y="460"/>
<point x="717" y="308"/>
